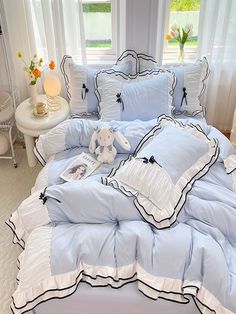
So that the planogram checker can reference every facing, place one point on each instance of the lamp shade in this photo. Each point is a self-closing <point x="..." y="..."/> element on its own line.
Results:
<point x="52" y="86"/>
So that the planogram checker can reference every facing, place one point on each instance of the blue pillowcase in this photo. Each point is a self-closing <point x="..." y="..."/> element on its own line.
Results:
<point x="145" y="96"/>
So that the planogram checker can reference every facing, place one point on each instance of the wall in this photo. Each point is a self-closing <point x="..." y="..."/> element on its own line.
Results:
<point x="141" y="25"/>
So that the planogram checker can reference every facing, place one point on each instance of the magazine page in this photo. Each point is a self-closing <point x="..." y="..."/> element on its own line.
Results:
<point x="80" y="168"/>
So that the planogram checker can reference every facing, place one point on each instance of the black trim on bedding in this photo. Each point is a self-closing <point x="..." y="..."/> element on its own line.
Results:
<point x="12" y="226"/>
<point x="132" y="77"/>
<point x="186" y="189"/>
<point x="38" y="155"/>
<point x="231" y="171"/>
<point x="83" y="280"/>
<point x="125" y="54"/>
<point x="146" y="58"/>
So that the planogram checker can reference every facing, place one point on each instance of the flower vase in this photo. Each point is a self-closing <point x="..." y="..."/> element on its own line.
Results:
<point x="33" y="94"/>
<point x="181" y="53"/>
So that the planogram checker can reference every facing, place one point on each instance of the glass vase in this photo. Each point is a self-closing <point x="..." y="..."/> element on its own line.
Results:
<point x="181" y="53"/>
<point x="33" y="94"/>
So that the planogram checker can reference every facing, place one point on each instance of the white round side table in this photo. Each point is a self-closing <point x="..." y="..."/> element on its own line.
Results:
<point x="32" y="126"/>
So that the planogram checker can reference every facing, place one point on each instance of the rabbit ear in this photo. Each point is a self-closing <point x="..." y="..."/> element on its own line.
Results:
<point x="122" y="140"/>
<point x="92" y="145"/>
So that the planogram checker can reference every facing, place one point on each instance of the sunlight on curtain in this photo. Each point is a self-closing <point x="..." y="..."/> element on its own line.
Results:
<point x="52" y="28"/>
<point x="217" y="41"/>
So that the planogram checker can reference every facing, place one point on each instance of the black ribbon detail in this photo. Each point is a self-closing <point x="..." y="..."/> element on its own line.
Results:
<point x="184" y="97"/>
<point x="119" y="100"/>
<point x="84" y="91"/>
<point x="152" y="160"/>
<point x="44" y="198"/>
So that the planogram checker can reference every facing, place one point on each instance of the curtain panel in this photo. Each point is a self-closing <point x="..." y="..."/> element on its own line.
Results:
<point x="217" y="41"/>
<point x="50" y="28"/>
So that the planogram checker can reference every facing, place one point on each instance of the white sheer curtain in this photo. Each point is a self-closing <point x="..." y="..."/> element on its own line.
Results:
<point x="217" y="41"/>
<point x="50" y="28"/>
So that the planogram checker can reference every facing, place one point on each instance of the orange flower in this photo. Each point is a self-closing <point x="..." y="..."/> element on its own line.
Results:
<point x="37" y="73"/>
<point x="168" y="37"/>
<point x="52" y="65"/>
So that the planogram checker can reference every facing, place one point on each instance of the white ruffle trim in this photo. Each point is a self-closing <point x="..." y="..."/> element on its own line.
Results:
<point x="51" y="143"/>
<point x="194" y="80"/>
<point x="37" y="284"/>
<point x="157" y="198"/>
<point x="31" y="214"/>
<point x="42" y="179"/>
<point x="109" y="83"/>
<point x="230" y="166"/>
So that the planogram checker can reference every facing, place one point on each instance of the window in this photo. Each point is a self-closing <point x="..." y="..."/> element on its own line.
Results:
<point x="100" y="28"/>
<point x="182" y="13"/>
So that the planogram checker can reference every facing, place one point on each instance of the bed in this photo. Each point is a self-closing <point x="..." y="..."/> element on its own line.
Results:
<point x="158" y="224"/>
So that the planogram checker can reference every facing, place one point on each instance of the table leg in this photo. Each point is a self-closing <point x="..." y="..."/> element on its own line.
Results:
<point x="29" y="144"/>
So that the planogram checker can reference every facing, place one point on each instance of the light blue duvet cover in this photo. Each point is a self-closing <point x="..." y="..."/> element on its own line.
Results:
<point x="88" y="231"/>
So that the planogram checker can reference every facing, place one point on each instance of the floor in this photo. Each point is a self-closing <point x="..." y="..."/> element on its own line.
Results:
<point x="15" y="185"/>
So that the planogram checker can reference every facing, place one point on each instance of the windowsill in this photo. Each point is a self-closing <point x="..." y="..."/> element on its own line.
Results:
<point x="171" y="54"/>
<point x="101" y="59"/>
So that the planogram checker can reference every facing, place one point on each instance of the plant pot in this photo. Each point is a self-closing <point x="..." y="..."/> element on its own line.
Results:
<point x="181" y="53"/>
<point x="33" y="94"/>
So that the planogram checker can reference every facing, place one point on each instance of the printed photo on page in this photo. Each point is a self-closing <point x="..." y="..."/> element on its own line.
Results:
<point x="80" y="168"/>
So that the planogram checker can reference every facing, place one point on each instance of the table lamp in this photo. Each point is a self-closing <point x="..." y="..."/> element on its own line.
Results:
<point x="52" y="88"/>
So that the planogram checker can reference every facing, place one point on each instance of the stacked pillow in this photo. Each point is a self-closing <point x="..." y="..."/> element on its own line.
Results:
<point x="79" y="82"/>
<point x="135" y="88"/>
<point x="142" y="96"/>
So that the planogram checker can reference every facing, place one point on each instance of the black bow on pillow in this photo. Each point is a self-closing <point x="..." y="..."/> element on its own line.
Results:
<point x="152" y="160"/>
<point x="184" y="97"/>
<point x="119" y="100"/>
<point x="44" y="198"/>
<point x="84" y="91"/>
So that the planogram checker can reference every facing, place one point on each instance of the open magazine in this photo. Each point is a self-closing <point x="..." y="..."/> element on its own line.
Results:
<point x="80" y="168"/>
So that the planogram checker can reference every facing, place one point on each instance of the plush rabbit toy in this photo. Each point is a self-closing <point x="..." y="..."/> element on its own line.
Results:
<point x="105" y="137"/>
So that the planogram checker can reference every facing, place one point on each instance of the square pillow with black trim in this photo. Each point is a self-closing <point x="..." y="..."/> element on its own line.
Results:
<point x="190" y="87"/>
<point x="190" y="83"/>
<point x="79" y="82"/>
<point x="163" y="169"/>
<point x="144" y="96"/>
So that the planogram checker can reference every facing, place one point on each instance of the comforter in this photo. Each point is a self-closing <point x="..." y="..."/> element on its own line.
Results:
<point x="88" y="231"/>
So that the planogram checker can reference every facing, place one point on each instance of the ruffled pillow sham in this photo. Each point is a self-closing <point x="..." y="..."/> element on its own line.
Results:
<point x="79" y="82"/>
<point x="144" y="96"/>
<point x="163" y="169"/>
<point x="190" y="87"/>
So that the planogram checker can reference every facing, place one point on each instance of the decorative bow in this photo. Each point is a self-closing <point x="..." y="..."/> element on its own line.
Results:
<point x="184" y="97"/>
<point x="45" y="198"/>
<point x="151" y="160"/>
<point x="84" y="91"/>
<point x="119" y="100"/>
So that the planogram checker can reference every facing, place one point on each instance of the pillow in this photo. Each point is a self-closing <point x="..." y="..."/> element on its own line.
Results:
<point x="190" y="86"/>
<point x="145" y="62"/>
<point x="163" y="169"/>
<point x="131" y="57"/>
<point x="79" y="81"/>
<point x="144" y="96"/>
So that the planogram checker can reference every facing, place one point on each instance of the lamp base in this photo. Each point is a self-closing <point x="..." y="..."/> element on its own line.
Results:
<point x="53" y="103"/>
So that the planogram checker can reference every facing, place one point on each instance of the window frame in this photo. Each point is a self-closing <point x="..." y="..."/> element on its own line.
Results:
<point x="105" y="54"/>
<point x="170" y="54"/>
